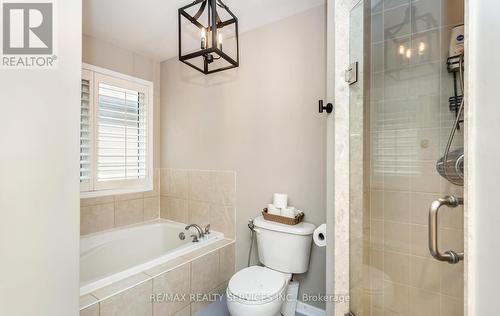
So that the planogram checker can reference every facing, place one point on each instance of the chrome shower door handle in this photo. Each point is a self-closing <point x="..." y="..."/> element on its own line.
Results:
<point x="449" y="256"/>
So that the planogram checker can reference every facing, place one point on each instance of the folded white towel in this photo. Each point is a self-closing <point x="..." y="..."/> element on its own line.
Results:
<point x="288" y="212"/>
<point x="271" y="209"/>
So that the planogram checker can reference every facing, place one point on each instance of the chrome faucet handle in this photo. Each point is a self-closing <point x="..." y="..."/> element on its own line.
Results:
<point x="195" y="238"/>
<point x="207" y="229"/>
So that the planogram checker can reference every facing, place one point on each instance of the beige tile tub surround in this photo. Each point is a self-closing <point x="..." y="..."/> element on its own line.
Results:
<point x="199" y="196"/>
<point x="204" y="271"/>
<point x="103" y="213"/>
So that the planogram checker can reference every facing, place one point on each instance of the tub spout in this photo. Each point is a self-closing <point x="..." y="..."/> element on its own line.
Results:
<point x="198" y="228"/>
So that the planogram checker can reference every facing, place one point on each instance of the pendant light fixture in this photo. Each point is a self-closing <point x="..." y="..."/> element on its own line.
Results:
<point x="208" y="36"/>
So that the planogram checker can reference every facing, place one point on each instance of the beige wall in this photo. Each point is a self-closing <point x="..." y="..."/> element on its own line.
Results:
<point x="112" y="211"/>
<point x="259" y="120"/>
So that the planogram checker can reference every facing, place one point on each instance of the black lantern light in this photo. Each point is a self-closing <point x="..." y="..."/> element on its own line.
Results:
<point x="204" y="26"/>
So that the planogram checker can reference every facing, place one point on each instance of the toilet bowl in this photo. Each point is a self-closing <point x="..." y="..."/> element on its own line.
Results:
<point x="256" y="291"/>
<point x="283" y="250"/>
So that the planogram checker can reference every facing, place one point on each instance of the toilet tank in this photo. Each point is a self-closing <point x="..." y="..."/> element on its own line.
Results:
<point x="285" y="248"/>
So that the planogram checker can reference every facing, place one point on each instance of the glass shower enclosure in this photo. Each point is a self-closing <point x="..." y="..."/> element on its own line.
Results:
<point x="401" y="112"/>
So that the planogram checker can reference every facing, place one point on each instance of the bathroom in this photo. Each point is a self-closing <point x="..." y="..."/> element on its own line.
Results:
<point x="194" y="174"/>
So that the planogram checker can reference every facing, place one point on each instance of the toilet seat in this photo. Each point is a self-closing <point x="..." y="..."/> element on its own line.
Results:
<point x="257" y="285"/>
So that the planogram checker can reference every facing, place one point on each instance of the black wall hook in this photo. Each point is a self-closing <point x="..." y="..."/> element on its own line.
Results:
<point x="328" y="107"/>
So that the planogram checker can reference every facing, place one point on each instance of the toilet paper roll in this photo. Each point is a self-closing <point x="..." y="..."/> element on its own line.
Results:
<point x="319" y="236"/>
<point x="280" y="200"/>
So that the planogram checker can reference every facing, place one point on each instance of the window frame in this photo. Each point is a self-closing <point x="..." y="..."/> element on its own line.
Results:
<point x="97" y="75"/>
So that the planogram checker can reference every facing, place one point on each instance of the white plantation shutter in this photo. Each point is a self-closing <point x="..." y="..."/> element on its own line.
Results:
<point x="86" y="131"/>
<point x="122" y="134"/>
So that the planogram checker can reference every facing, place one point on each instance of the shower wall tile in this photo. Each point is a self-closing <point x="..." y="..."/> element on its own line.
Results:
<point x="425" y="47"/>
<point x="397" y="22"/>
<point x="426" y="14"/>
<point x="396" y="84"/>
<point x="419" y="241"/>
<point x="423" y="302"/>
<point x="425" y="177"/>
<point x="397" y="267"/>
<point x="452" y="12"/>
<point x="397" y="237"/>
<point x="427" y="144"/>
<point x="424" y="80"/>
<point x="452" y="281"/>
<point x="410" y="122"/>
<point x="395" y="53"/>
<point x="396" y="298"/>
<point x="397" y="206"/>
<point x="425" y="274"/>
<point x="451" y="306"/>
<point x="208" y="197"/>
<point x="419" y="206"/>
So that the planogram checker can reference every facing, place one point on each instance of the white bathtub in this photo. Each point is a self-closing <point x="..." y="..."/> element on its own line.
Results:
<point x="110" y="256"/>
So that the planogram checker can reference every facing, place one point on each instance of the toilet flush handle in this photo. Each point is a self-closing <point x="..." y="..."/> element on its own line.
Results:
<point x="257" y="231"/>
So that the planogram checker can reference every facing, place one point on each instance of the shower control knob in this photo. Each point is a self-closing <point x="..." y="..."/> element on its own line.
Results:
<point x="328" y="107"/>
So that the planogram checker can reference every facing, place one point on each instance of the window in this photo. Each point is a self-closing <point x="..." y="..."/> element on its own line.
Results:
<point x="116" y="133"/>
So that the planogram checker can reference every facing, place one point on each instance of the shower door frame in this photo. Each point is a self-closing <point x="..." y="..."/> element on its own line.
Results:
<point x="338" y="163"/>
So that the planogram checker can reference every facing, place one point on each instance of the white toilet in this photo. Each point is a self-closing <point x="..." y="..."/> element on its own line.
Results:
<point x="283" y="250"/>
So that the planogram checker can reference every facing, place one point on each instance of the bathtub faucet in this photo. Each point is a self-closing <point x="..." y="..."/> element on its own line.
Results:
<point x="199" y="229"/>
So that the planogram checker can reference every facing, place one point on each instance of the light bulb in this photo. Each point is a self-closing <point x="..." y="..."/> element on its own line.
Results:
<point x="401" y="49"/>
<point x="203" y="38"/>
<point x="220" y="41"/>
<point x="408" y="53"/>
<point x="421" y="48"/>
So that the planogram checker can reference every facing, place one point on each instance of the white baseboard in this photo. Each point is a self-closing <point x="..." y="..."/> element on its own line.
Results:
<point x="309" y="310"/>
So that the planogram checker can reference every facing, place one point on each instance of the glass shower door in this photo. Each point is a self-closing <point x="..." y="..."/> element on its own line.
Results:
<point x="399" y="121"/>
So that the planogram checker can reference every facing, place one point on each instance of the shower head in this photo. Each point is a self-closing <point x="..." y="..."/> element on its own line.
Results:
<point x="452" y="169"/>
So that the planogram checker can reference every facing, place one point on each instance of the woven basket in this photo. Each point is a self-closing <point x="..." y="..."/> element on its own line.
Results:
<point x="282" y="219"/>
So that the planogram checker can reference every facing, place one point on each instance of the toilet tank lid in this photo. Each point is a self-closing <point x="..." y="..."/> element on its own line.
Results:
<point x="299" y="229"/>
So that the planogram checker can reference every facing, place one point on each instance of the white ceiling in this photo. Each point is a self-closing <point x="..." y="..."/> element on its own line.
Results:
<point x="149" y="27"/>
